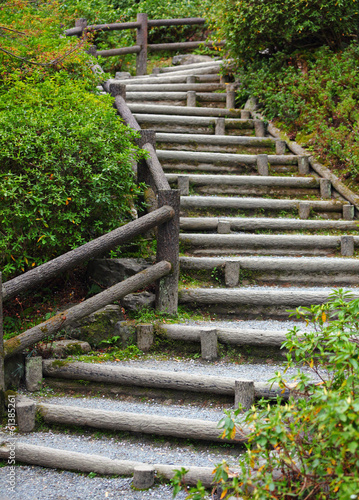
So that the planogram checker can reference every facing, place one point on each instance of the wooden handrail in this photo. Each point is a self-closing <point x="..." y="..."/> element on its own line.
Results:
<point x="87" y="251"/>
<point x="155" y="168"/>
<point x="89" y="306"/>
<point x="189" y="21"/>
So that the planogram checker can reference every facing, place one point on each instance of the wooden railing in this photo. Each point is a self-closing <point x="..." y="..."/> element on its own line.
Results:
<point x="142" y="46"/>
<point x="164" y="216"/>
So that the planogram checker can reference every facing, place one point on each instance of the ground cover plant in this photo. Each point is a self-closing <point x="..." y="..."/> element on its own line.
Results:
<point x="308" y="447"/>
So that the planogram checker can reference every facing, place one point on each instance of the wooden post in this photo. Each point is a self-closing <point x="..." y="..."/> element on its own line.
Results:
<point x="141" y="61"/>
<point x="81" y="23"/>
<point x="2" y="365"/>
<point x="168" y="244"/>
<point x="143" y="174"/>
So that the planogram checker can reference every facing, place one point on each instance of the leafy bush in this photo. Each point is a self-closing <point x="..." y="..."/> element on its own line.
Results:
<point x="315" y="98"/>
<point x="307" y="448"/>
<point x="252" y="26"/>
<point x="31" y="43"/>
<point x="66" y="170"/>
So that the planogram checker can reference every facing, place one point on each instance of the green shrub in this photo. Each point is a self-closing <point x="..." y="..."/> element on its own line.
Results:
<point x="307" y="448"/>
<point x="314" y="97"/>
<point x="65" y="170"/>
<point x="252" y="26"/>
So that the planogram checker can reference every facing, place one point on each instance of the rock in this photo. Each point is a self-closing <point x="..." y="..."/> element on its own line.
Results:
<point x="62" y="348"/>
<point x="25" y="414"/>
<point x="108" y="272"/>
<point x="136" y="301"/>
<point x="190" y="59"/>
<point x="98" y="326"/>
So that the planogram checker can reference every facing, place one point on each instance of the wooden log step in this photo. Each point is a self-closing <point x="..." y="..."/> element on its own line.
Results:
<point x="246" y="180"/>
<point x="185" y="428"/>
<point x="234" y="336"/>
<point x="223" y="140"/>
<point x="224" y="158"/>
<point x="203" y="121"/>
<point x="261" y="297"/>
<point x="252" y="224"/>
<point x="271" y="270"/>
<point x="175" y="87"/>
<point x="205" y="202"/>
<point x="130" y="376"/>
<point x="264" y="243"/>
<point x="167" y="78"/>
<point x="184" y="110"/>
<point x="193" y="66"/>
<point x="173" y="96"/>
<point x="56" y="458"/>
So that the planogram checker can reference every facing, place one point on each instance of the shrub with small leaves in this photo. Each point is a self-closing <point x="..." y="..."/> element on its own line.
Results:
<point x="65" y="169"/>
<point x="308" y="447"/>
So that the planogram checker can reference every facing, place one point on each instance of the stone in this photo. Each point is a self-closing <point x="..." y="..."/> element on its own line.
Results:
<point x="244" y="393"/>
<point x="223" y="227"/>
<point x="209" y="342"/>
<point x="232" y="273"/>
<point x="98" y="326"/>
<point x="280" y="147"/>
<point x="220" y="128"/>
<point x="347" y="246"/>
<point x="348" y="212"/>
<point x="108" y="272"/>
<point x="190" y="59"/>
<point x="126" y="331"/>
<point x="25" y="410"/>
<point x="262" y="165"/>
<point x="191" y="99"/>
<point x="144" y="333"/>
<point x="63" y="348"/>
<point x="137" y="301"/>
<point x="304" y="210"/>
<point x="183" y="185"/>
<point x="33" y="374"/>
<point x="143" y="477"/>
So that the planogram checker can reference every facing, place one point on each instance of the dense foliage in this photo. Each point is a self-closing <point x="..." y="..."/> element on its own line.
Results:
<point x="307" y="448"/>
<point x="252" y="26"/>
<point x="315" y="98"/>
<point x="65" y="170"/>
<point x="65" y="157"/>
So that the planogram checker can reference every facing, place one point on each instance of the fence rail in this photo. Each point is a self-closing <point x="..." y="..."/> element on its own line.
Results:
<point x="142" y="46"/>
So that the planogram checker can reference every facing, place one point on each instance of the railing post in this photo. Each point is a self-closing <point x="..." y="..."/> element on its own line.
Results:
<point x="168" y="249"/>
<point x="2" y="362"/>
<point x="81" y="23"/>
<point x="143" y="174"/>
<point x="141" y="61"/>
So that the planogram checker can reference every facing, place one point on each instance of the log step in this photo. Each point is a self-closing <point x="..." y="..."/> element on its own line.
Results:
<point x="56" y="458"/>
<point x="134" y="422"/>
<point x="207" y="142"/>
<point x="233" y="336"/>
<point x="173" y="96"/>
<point x="264" y="204"/>
<point x="203" y="121"/>
<point x="175" y="87"/>
<point x="183" y="110"/>
<point x="253" y="224"/>
<point x="271" y="270"/>
<point x="130" y="376"/>
<point x="212" y="244"/>
<point x="169" y="78"/>
<point x="258" y="302"/>
<point x="192" y="67"/>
